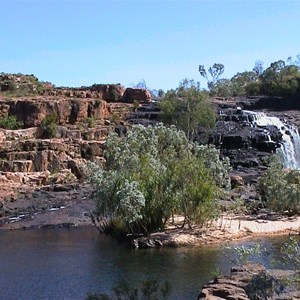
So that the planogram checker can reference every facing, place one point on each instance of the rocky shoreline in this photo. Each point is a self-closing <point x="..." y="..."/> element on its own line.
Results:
<point x="49" y="206"/>
<point x="243" y="281"/>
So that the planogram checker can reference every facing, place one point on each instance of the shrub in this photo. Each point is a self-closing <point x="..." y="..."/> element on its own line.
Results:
<point x="115" y="118"/>
<point x="90" y="122"/>
<point x="49" y="125"/>
<point x="10" y="122"/>
<point x="149" y="290"/>
<point x="153" y="172"/>
<point x="135" y="104"/>
<point x="280" y="188"/>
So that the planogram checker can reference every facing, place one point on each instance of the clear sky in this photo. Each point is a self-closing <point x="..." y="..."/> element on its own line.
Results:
<point x="75" y="43"/>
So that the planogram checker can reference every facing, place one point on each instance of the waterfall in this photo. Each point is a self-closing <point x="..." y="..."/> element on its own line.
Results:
<point x="290" y="145"/>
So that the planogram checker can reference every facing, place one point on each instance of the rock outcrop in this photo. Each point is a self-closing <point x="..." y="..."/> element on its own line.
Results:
<point x="140" y="95"/>
<point x="22" y="85"/>
<point x="33" y="111"/>
<point x="30" y="160"/>
<point x="231" y="287"/>
<point x="243" y="141"/>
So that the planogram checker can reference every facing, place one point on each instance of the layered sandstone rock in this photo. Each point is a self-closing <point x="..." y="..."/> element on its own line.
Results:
<point x="33" y="111"/>
<point x="42" y="155"/>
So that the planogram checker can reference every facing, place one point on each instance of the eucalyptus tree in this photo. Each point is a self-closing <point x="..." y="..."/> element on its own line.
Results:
<point x="187" y="108"/>
<point x="213" y="73"/>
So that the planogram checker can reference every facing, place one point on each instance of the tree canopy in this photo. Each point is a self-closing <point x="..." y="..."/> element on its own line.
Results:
<point x="213" y="74"/>
<point x="279" y="79"/>
<point x="187" y="108"/>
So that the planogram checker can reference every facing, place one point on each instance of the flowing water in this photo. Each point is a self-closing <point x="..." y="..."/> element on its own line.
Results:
<point x="69" y="263"/>
<point x="290" y="145"/>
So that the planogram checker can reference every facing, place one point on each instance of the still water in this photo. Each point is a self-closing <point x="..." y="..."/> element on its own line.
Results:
<point x="69" y="263"/>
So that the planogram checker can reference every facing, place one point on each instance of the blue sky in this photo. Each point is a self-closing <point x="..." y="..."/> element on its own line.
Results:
<point x="74" y="43"/>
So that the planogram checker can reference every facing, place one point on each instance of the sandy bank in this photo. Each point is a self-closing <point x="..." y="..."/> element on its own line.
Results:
<point x="229" y="228"/>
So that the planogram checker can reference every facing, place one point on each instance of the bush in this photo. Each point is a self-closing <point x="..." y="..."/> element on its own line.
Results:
<point x="90" y="122"/>
<point x="149" y="290"/>
<point x="280" y="189"/>
<point x="153" y="172"/>
<point x="115" y="118"/>
<point x="10" y="122"/>
<point x="49" y="125"/>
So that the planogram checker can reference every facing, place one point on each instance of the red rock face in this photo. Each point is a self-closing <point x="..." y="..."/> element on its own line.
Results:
<point x="32" y="112"/>
<point x="109" y="92"/>
<point x="140" y="95"/>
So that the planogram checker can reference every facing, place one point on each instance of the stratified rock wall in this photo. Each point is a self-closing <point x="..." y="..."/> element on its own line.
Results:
<point x="33" y="111"/>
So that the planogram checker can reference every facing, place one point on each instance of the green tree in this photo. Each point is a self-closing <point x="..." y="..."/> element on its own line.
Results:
<point x="281" y="79"/>
<point x="187" y="108"/>
<point x="213" y="74"/>
<point x="153" y="172"/>
<point x="238" y="85"/>
<point x="280" y="188"/>
<point x="222" y="88"/>
<point x="160" y="93"/>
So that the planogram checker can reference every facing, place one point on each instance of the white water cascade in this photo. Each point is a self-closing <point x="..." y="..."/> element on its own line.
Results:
<point x="290" y="145"/>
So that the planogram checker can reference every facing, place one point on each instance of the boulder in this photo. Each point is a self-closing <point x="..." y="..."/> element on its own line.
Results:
<point x="16" y="166"/>
<point x="109" y="92"/>
<point x="231" y="287"/>
<point x="236" y="181"/>
<point x="141" y="95"/>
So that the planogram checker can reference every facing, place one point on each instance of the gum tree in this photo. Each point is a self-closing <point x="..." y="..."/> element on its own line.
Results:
<point x="187" y="108"/>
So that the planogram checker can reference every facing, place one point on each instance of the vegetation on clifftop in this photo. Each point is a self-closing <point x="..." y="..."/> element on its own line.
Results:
<point x="281" y="78"/>
<point x="22" y="85"/>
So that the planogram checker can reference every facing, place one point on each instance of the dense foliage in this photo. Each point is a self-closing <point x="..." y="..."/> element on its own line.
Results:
<point x="10" y="122"/>
<point x="280" y="188"/>
<point x="153" y="172"/>
<point x="279" y="79"/>
<point x="187" y="108"/>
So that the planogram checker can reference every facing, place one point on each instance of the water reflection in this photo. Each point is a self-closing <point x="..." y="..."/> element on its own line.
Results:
<point x="66" y="264"/>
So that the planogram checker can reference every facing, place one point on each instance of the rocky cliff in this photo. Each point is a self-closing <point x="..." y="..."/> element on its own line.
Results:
<point x="59" y="130"/>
